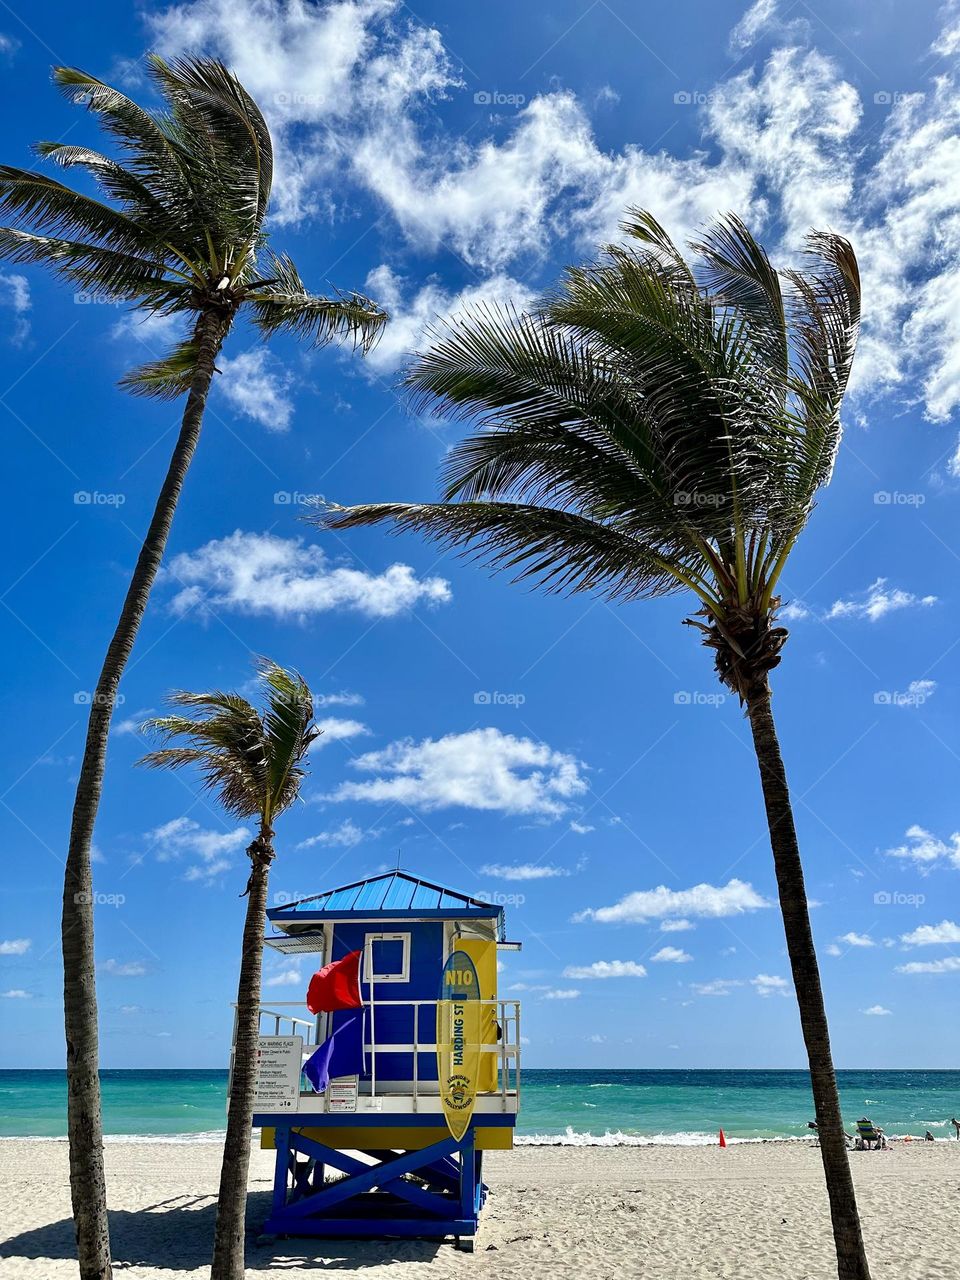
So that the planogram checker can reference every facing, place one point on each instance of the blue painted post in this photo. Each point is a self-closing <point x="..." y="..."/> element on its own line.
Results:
<point x="468" y="1175"/>
<point x="282" y="1169"/>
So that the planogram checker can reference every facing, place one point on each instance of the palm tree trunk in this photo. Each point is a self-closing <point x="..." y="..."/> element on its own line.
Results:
<point x="228" y="1245"/>
<point x="851" y="1258"/>
<point x="84" y="1121"/>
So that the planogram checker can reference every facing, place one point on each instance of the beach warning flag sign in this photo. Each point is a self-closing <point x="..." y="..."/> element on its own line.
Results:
<point x="459" y="1027"/>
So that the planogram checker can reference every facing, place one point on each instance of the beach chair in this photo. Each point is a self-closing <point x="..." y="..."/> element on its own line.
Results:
<point x="870" y="1137"/>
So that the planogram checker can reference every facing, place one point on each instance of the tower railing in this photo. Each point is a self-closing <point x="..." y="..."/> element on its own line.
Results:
<point x="282" y="1017"/>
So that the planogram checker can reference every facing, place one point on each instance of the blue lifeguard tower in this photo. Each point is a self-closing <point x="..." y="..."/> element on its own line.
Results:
<point x="400" y="1172"/>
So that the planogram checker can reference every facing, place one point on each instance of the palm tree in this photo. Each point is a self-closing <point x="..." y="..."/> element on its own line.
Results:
<point x="655" y="427"/>
<point x="253" y="762"/>
<point x="181" y="232"/>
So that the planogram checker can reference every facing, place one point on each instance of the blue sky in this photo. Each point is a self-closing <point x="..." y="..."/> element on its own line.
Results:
<point x="578" y="759"/>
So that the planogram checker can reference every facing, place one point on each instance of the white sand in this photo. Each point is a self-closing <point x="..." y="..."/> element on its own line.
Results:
<point x="664" y="1213"/>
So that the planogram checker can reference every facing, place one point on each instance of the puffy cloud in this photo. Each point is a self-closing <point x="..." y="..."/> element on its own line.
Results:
<point x="949" y="964"/>
<point x="707" y="900"/>
<point x="606" y="969"/>
<point x="260" y="573"/>
<point x="671" y="955"/>
<point x="15" y="946"/>
<point x="768" y="984"/>
<point x="926" y="850"/>
<point x="676" y="926"/>
<point x="857" y="940"/>
<point x="118" y="969"/>
<point x="877" y="601"/>
<point x="522" y="871"/>
<point x="412" y="316"/>
<point x="15" y="294"/>
<point x="927" y="935"/>
<point x="481" y="769"/>
<point x="718" y="987"/>
<point x="289" y="977"/>
<point x="877" y="1011"/>
<point x="184" y="838"/>
<point x="334" y="730"/>
<point x="346" y="836"/>
<point x="16" y="993"/>
<point x="257" y="386"/>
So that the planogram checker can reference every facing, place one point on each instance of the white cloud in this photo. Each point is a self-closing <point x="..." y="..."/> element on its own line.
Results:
<point x="411" y="317"/>
<point x="260" y="573"/>
<point x="606" y="969"/>
<point x="671" y="955"/>
<point x="257" y="386"/>
<point x="833" y="950"/>
<point x="565" y="994"/>
<point x="346" y="836"/>
<point x="130" y="727"/>
<point x="877" y="601"/>
<point x="927" y="935"/>
<point x="15" y="294"/>
<point x="130" y="969"/>
<point x="522" y="871"/>
<point x="857" y="939"/>
<point x="706" y="900"/>
<point x="16" y="993"/>
<point x="949" y="964"/>
<point x="334" y="730"/>
<point x="718" y="987"/>
<point x="768" y="984"/>
<point x="676" y="926"/>
<point x="182" y="837"/>
<point x="753" y="22"/>
<point x="581" y="828"/>
<point x="481" y="769"/>
<point x="343" y="699"/>
<point x="289" y="977"/>
<point x="15" y="946"/>
<point x="877" y="1011"/>
<point x="927" y="851"/>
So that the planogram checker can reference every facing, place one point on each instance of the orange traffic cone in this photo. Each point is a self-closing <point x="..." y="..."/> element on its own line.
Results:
<point x="723" y="1141"/>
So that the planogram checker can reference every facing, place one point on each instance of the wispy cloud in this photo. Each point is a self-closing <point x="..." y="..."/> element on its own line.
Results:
<point x="704" y="900"/>
<point x="522" y="871"/>
<point x="606" y="969"/>
<point x="927" y="851"/>
<point x="15" y="946"/>
<point x="877" y="601"/>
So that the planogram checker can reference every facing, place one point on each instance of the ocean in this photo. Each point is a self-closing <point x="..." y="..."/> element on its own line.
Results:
<point x="576" y="1108"/>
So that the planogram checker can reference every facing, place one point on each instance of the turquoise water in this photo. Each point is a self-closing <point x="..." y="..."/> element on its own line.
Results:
<point x="575" y="1107"/>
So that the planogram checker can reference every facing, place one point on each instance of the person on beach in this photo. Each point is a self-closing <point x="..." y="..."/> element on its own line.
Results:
<point x="956" y="1125"/>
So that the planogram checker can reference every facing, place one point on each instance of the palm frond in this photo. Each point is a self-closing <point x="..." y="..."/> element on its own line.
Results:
<point x="166" y="378"/>
<point x="283" y="305"/>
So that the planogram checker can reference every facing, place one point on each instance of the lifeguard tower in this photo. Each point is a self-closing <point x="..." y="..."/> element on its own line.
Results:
<point x="399" y="1170"/>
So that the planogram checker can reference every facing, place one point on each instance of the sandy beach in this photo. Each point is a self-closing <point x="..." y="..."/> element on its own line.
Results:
<point x="663" y="1213"/>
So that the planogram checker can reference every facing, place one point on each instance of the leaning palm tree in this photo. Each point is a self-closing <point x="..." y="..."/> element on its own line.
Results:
<point x="180" y="233"/>
<point x="655" y="427"/>
<point x="253" y="762"/>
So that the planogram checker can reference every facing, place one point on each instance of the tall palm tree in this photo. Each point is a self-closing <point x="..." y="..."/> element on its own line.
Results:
<point x="181" y="232"/>
<point x="253" y="762"/>
<point x="655" y="427"/>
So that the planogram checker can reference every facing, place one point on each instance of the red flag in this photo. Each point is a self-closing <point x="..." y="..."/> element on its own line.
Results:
<point x="336" y="986"/>
<point x="723" y="1141"/>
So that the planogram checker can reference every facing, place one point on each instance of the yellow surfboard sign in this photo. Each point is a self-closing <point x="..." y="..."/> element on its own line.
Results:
<point x="459" y="1028"/>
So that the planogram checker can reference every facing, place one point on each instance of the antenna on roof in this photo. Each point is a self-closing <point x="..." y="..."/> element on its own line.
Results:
<point x="398" y="858"/>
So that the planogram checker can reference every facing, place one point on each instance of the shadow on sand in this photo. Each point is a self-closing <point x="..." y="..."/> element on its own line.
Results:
<point x="177" y="1235"/>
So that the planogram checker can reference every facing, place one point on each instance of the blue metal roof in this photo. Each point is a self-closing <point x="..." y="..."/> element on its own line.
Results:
<point x="394" y="892"/>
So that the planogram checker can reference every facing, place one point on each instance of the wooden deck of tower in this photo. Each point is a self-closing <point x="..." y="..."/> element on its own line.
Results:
<point x="397" y="1149"/>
